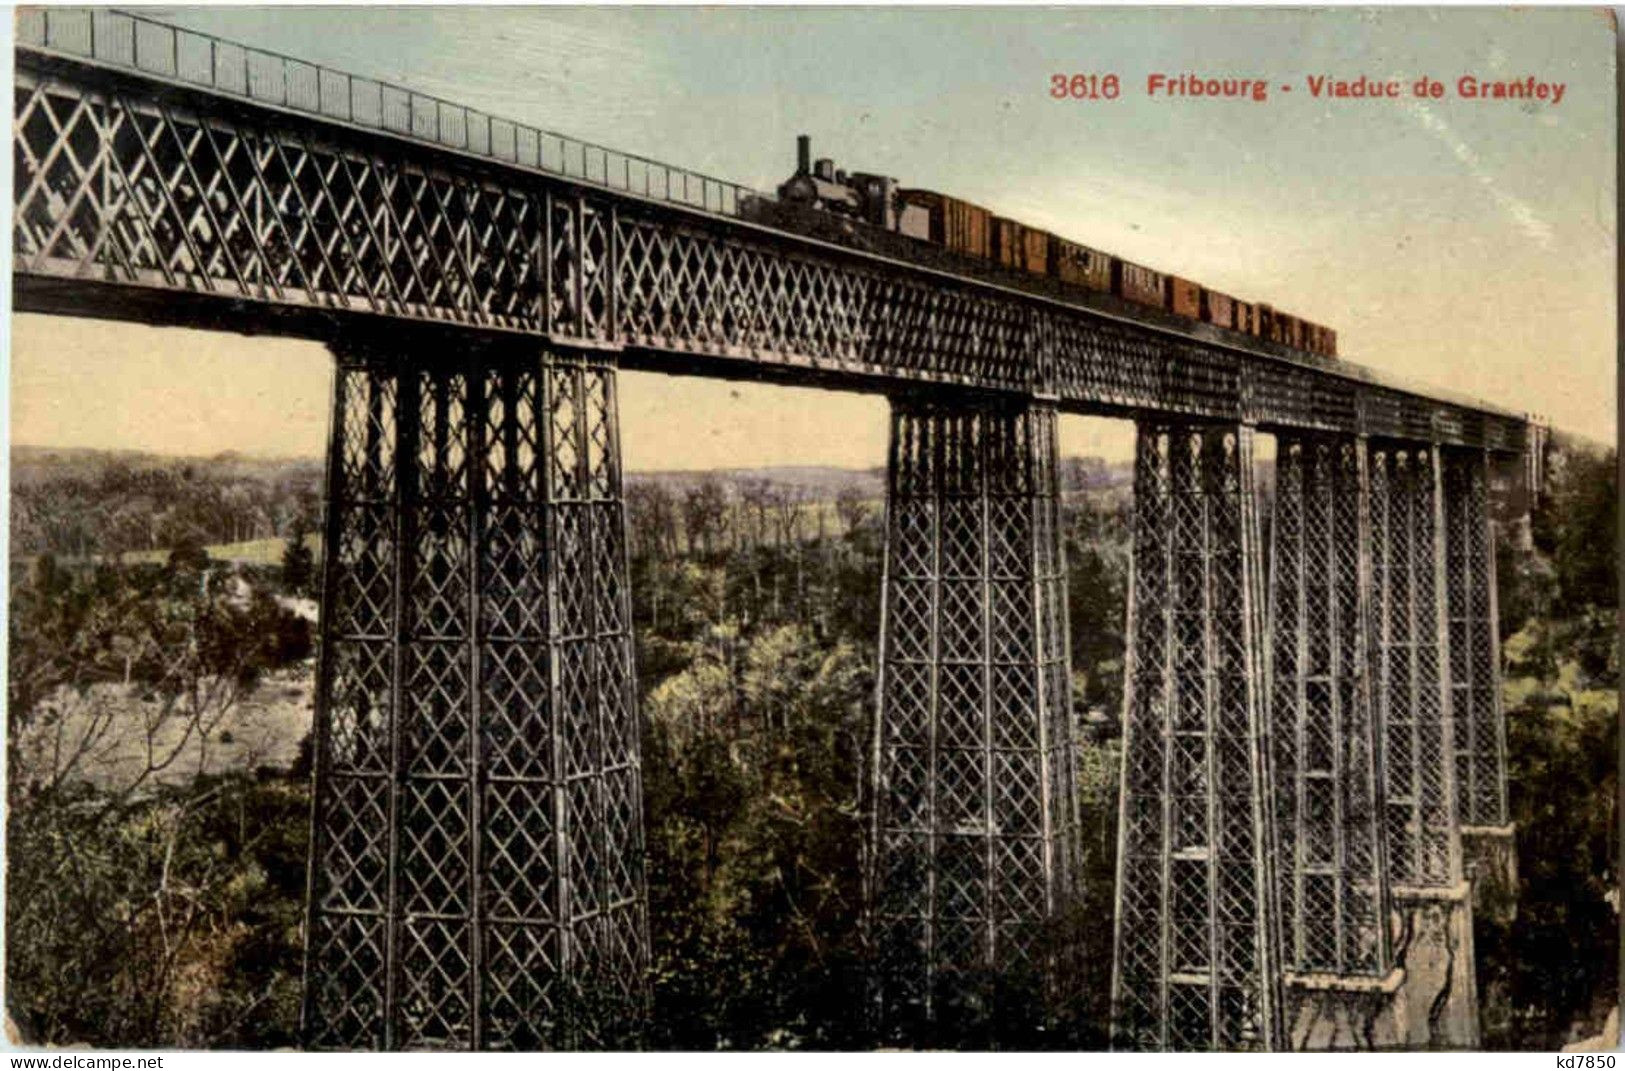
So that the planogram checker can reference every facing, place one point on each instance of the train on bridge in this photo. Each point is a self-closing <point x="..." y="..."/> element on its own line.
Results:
<point x="973" y="231"/>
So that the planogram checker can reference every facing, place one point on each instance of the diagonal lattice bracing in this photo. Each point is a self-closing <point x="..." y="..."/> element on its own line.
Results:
<point x="1475" y="660"/>
<point x="476" y="874"/>
<point x="1412" y="689"/>
<point x="1325" y="745"/>
<point x="153" y="186"/>
<point x="1196" y="942"/>
<point x="972" y="857"/>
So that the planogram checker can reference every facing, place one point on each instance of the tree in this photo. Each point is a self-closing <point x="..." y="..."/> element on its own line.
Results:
<point x="1576" y="526"/>
<point x="705" y="508"/>
<point x="1550" y="975"/>
<point x="121" y="896"/>
<point x="851" y="507"/>
<point x="652" y="518"/>
<point x="1097" y="554"/>
<point x="752" y="771"/>
<point x="298" y="561"/>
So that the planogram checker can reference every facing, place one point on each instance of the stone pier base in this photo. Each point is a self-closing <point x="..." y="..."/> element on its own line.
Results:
<point x="1490" y="854"/>
<point x="1433" y="943"/>
<point x="1331" y="1013"/>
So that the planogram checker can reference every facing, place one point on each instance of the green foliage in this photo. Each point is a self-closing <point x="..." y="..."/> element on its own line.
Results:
<point x="299" y="561"/>
<point x="758" y="676"/>
<point x="1550" y="975"/>
<point x="171" y="921"/>
<point x="1099" y="756"/>
<point x="751" y="782"/>
<point x="84" y="646"/>
<point x="146" y="906"/>
<point x="166" y="912"/>
<point x="83" y="502"/>
<point x="1556" y="966"/>
<point x="1576" y="525"/>
<point x="1526" y="586"/>
<point x="1097" y="560"/>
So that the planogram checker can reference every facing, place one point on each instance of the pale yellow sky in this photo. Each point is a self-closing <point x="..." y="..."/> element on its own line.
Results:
<point x="270" y="396"/>
<point x="1463" y="243"/>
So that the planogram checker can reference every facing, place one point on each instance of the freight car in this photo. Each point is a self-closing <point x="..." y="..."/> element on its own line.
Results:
<point x="1079" y="265"/>
<point x="947" y="221"/>
<point x="973" y="231"/>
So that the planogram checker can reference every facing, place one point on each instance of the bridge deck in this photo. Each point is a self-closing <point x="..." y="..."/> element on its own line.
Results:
<point x="168" y="177"/>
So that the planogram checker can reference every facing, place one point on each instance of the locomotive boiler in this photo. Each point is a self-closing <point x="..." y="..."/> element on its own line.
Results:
<point x="973" y="231"/>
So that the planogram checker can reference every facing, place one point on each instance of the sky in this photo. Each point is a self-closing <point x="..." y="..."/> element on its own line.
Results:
<point x="1467" y="243"/>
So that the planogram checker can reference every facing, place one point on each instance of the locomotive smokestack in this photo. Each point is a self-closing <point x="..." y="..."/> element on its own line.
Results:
<point x="803" y="154"/>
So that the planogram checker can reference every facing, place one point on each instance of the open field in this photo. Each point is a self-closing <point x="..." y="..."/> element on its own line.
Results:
<point x="126" y="732"/>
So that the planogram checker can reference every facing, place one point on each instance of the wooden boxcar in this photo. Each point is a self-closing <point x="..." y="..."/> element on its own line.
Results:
<point x="1079" y="265"/>
<point x="1265" y="319"/>
<point x="1184" y="297"/>
<point x="1139" y="284"/>
<point x="1325" y="341"/>
<point x="1018" y="246"/>
<point x="955" y="224"/>
<point x="1292" y="333"/>
<point x="1037" y="243"/>
<point x="1218" y="308"/>
<point x="971" y="230"/>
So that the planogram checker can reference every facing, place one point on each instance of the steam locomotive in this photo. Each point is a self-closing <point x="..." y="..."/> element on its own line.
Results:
<point x="970" y="230"/>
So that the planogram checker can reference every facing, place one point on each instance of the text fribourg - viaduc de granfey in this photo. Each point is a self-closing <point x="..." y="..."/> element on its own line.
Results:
<point x="1331" y="87"/>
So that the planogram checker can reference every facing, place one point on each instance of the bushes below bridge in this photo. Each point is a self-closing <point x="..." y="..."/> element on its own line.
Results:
<point x="169" y="917"/>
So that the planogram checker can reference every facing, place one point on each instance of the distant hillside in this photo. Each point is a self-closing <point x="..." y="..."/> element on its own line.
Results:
<point x="825" y="482"/>
<point x="77" y="502"/>
<point x="33" y="464"/>
<point x="813" y="481"/>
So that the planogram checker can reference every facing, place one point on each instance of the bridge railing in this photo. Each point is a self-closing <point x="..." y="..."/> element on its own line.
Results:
<point x="122" y="39"/>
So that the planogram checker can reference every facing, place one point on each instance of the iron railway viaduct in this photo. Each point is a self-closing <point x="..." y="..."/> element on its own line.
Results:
<point x="1314" y="758"/>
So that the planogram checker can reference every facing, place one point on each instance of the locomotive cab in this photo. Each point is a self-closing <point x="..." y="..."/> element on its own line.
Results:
<point x="871" y="198"/>
<point x="972" y="231"/>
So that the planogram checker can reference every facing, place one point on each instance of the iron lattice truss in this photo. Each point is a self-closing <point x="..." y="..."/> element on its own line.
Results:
<point x="973" y="853"/>
<point x="477" y="876"/>
<point x="1197" y="945"/>
<point x="1327" y="768"/>
<point x="1475" y="642"/>
<point x="477" y="865"/>
<point x="169" y="191"/>
<point x="1413" y="664"/>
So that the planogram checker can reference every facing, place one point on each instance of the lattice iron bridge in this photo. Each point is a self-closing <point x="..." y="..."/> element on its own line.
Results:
<point x="1304" y="744"/>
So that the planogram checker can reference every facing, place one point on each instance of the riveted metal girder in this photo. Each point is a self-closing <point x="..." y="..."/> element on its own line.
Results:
<point x="972" y="854"/>
<point x="477" y="851"/>
<point x="477" y="876"/>
<point x="1413" y="667"/>
<point x="170" y="177"/>
<point x="1475" y="643"/>
<point x="1196" y="949"/>
<point x="1327" y="772"/>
